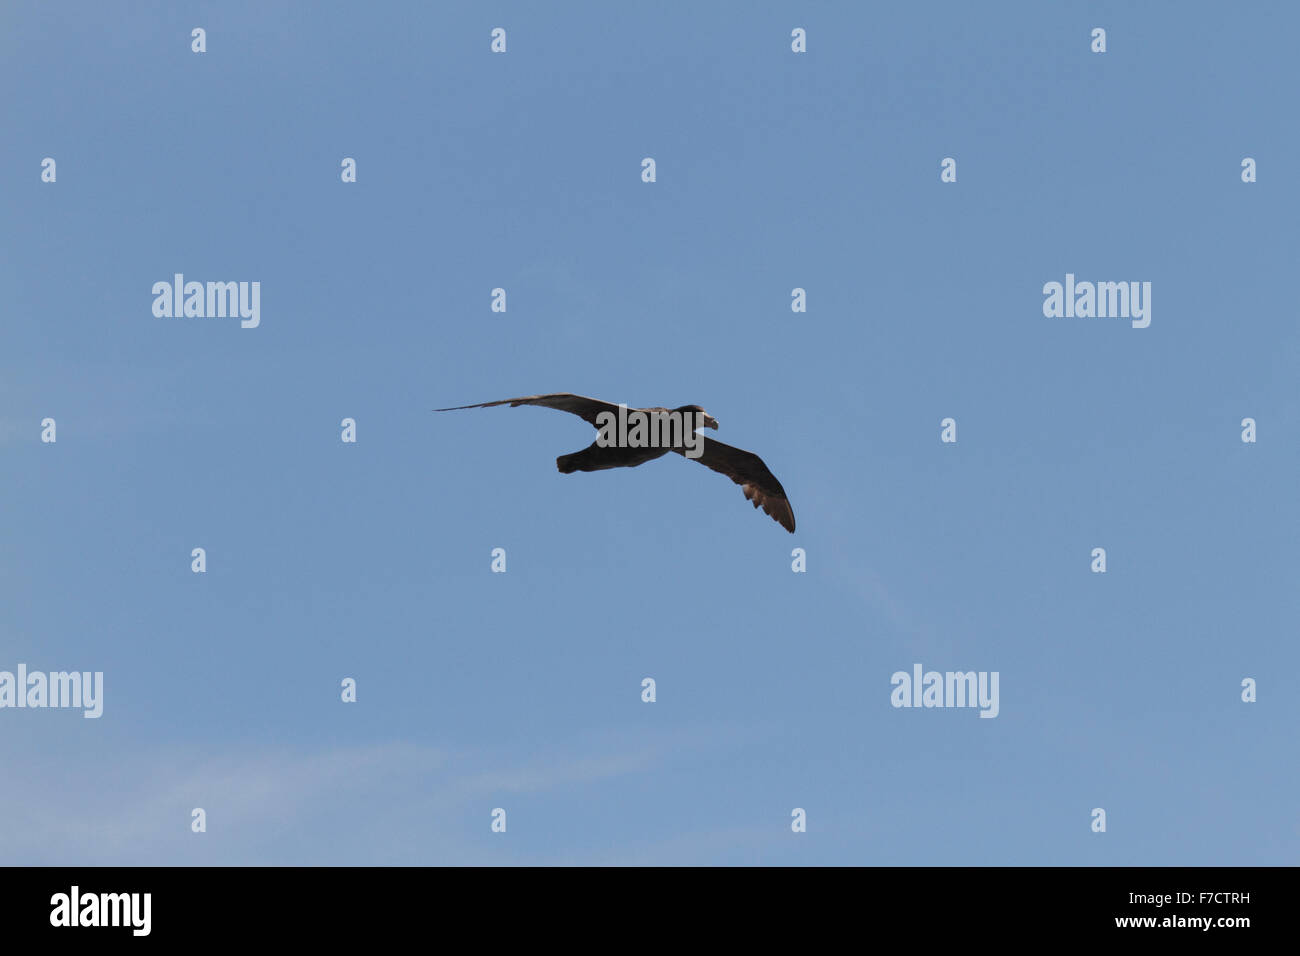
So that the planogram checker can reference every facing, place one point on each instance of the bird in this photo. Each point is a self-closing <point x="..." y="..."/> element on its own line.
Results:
<point x="743" y="467"/>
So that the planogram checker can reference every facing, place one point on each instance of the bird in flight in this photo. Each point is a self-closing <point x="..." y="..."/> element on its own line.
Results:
<point x="743" y="467"/>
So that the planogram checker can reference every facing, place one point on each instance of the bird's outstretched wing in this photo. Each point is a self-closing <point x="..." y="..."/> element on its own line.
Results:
<point x="747" y="470"/>
<point x="585" y="408"/>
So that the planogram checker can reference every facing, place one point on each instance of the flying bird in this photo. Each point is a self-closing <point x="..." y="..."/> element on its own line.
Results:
<point x="743" y="467"/>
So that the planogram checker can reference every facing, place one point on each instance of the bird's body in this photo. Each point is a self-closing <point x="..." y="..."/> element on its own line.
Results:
<point x="744" y="468"/>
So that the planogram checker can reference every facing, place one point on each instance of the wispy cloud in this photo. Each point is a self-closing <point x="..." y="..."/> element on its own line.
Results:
<point x="385" y="803"/>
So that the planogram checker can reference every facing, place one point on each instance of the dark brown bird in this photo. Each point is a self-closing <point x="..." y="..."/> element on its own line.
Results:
<point x="743" y="467"/>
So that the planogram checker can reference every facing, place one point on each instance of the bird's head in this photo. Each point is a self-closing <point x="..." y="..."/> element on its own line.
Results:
<point x="709" y="420"/>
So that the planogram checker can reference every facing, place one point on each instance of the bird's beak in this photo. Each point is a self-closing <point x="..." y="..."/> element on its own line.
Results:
<point x="710" y="421"/>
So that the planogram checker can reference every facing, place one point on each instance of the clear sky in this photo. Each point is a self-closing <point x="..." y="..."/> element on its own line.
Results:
<point x="775" y="170"/>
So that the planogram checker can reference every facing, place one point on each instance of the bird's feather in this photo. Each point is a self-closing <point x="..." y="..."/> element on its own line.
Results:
<point x="747" y="470"/>
<point x="585" y="408"/>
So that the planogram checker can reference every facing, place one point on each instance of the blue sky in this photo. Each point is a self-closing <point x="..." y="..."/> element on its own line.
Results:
<point x="522" y="690"/>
